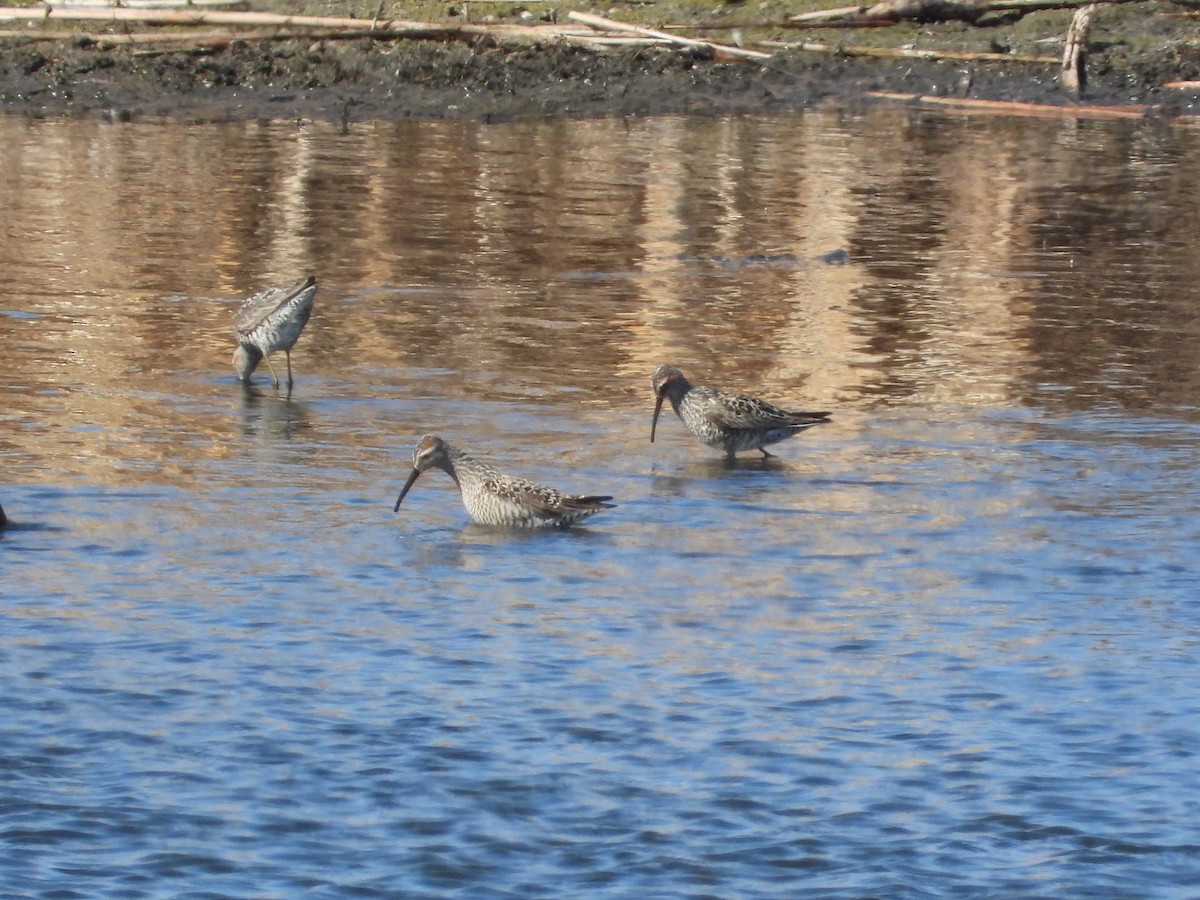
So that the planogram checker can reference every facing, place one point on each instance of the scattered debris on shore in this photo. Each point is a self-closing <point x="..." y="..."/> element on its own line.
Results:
<point x="204" y="57"/>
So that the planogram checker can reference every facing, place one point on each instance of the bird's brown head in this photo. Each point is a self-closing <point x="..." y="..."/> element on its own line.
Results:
<point x="662" y="379"/>
<point x="430" y="451"/>
<point x="245" y="360"/>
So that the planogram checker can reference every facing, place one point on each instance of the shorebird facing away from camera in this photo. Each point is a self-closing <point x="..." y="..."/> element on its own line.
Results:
<point x="729" y="422"/>
<point x="493" y="498"/>
<point x="271" y="320"/>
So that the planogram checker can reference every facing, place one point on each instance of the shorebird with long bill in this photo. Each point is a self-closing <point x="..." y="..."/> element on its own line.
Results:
<point x="728" y="422"/>
<point x="269" y="321"/>
<point x="493" y="498"/>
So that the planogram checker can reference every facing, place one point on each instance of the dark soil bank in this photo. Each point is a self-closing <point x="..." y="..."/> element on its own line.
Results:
<point x="354" y="80"/>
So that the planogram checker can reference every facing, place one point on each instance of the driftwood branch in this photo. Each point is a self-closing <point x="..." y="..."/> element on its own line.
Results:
<point x="603" y="24"/>
<point x="1074" y="60"/>
<point x="903" y="53"/>
<point x="1005" y="107"/>
<point x="891" y="12"/>
<point x="228" y="27"/>
<point x="292" y="26"/>
<point x="140" y="4"/>
<point x="225" y="28"/>
<point x="194" y="17"/>
<point x="219" y="38"/>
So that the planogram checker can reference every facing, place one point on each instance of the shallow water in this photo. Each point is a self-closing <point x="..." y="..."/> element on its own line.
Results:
<point x="944" y="646"/>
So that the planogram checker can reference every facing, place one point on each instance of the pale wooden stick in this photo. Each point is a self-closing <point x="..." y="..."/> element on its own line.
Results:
<point x="1074" y="59"/>
<point x="825" y="15"/>
<point x="604" y="24"/>
<point x="140" y="4"/>
<point x="1028" y="109"/>
<point x="216" y="39"/>
<point x="182" y="37"/>
<point x="890" y="12"/>
<point x="297" y="26"/>
<point x="199" y="17"/>
<point x="887" y="52"/>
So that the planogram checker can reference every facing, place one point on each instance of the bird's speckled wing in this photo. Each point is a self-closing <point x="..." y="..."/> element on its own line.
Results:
<point x="737" y="411"/>
<point x="514" y="490"/>
<point x="258" y="309"/>
<point x="541" y="501"/>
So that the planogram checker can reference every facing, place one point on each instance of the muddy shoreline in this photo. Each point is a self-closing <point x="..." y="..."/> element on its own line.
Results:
<point x="357" y="80"/>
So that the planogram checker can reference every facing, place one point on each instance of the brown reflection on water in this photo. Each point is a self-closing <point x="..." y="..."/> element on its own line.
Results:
<point x="990" y="262"/>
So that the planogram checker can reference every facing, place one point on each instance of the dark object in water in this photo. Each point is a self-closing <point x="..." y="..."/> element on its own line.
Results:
<point x="785" y="260"/>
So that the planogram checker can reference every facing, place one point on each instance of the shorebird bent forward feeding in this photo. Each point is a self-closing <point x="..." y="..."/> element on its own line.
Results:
<point x="269" y="321"/>
<point x="493" y="498"/>
<point x="729" y="422"/>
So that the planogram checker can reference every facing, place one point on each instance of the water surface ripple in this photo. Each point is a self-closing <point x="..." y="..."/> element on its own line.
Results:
<point x="944" y="646"/>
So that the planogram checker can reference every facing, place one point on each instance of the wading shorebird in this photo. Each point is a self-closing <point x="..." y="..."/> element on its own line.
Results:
<point x="493" y="498"/>
<point x="729" y="422"/>
<point x="269" y="321"/>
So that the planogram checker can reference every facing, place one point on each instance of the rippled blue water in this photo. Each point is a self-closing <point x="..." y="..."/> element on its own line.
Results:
<point x="944" y="646"/>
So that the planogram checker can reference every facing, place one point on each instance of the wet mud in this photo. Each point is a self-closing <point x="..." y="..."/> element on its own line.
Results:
<point x="353" y="80"/>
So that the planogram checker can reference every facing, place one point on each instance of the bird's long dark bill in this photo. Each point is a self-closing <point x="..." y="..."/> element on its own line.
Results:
<point x="657" y="409"/>
<point x="408" y="484"/>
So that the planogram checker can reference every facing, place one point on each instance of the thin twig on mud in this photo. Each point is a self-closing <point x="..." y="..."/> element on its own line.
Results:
<point x="603" y="24"/>
<point x="1007" y="107"/>
<point x="907" y="53"/>
<point x="216" y="39"/>
<point x="282" y="27"/>
<point x="194" y="17"/>
<point x="140" y="4"/>
<point x="893" y="12"/>
<point x="364" y="27"/>
<point x="297" y="25"/>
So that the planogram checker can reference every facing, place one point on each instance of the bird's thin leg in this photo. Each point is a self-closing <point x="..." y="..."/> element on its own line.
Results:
<point x="274" y="377"/>
<point x="765" y="454"/>
<point x="288" y="354"/>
